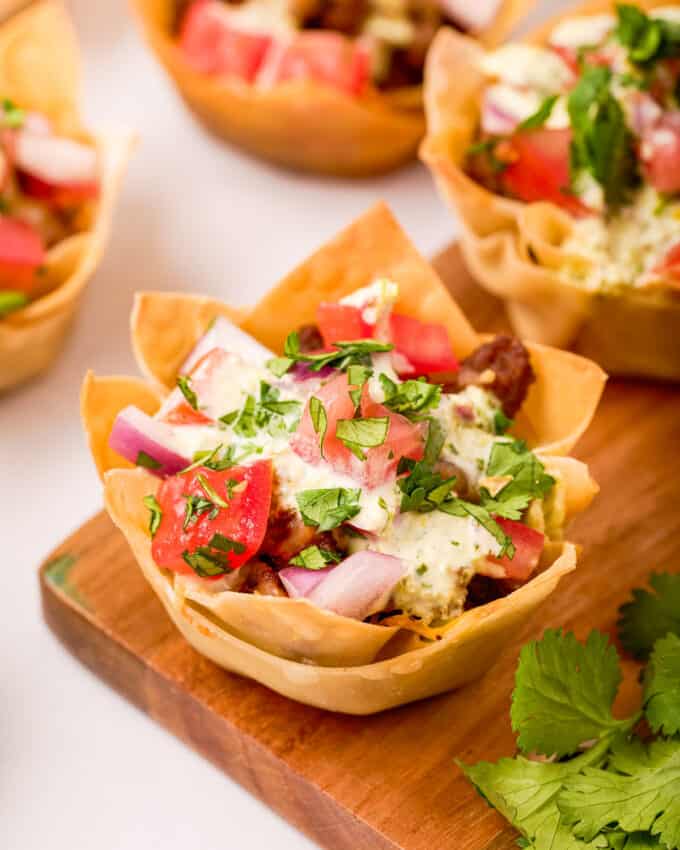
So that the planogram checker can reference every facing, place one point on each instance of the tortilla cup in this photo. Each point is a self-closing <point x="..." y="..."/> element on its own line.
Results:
<point x="39" y="70"/>
<point x="302" y="125"/>
<point x="312" y="655"/>
<point x="514" y="249"/>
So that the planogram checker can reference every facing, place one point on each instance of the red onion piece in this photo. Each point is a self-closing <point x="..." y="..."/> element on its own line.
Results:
<point x="301" y="582"/>
<point x="302" y="372"/>
<point x="360" y="585"/>
<point x="134" y="432"/>
<point x="228" y="336"/>
<point x="55" y="160"/>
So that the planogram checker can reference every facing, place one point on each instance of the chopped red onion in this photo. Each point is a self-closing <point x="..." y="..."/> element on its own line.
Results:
<point x="134" y="432"/>
<point x="360" y="585"/>
<point x="55" y="160"/>
<point x="302" y="372"/>
<point x="301" y="582"/>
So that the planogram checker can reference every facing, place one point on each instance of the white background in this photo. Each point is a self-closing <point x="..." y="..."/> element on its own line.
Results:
<point x="79" y="767"/>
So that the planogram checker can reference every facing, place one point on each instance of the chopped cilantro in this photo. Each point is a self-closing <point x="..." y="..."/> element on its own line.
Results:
<point x="195" y="507"/>
<point x="11" y="301"/>
<point x="538" y="118"/>
<point x="421" y="569"/>
<point x="360" y="434"/>
<point x="647" y="39"/>
<point x="213" y="559"/>
<point x="501" y="423"/>
<point x="145" y="460"/>
<point x="410" y="398"/>
<point x="12" y="116"/>
<point x="184" y="383"/>
<point x="326" y="509"/>
<point x="650" y="615"/>
<point x="602" y="144"/>
<point x="315" y="558"/>
<point x="529" y="479"/>
<point x="344" y="355"/>
<point x="317" y="413"/>
<point x="156" y="513"/>
<point x="269" y="412"/>
<point x="221" y="458"/>
<point x="210" y="492"/>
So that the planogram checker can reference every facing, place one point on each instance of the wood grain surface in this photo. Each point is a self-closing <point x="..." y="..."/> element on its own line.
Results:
<point x="388" y="781"/>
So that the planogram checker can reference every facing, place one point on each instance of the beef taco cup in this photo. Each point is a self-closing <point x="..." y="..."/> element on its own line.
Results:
<point x="330" y="87"/>
<point x="561" y="155"/>
<point x="58" y="185"/>
<point x="344" y="492"/>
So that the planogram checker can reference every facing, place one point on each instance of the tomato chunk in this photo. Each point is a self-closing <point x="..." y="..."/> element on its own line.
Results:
<point x="21" y="254"/>
<point x="404" y="438"/>
<point x="337" y="404"/>
<point x="245" y="490"/>
<point x="341" y="322"/>
<point x="426" y="346"/>
<point x="62" y="195"/>
<point x="538" y="168"/>
<point x="528" y="547"/>
<point x="660" y="153"/>
<point x="324" y="57"/>
<point x="213" y="44"/>
<point x="669" y="266"/>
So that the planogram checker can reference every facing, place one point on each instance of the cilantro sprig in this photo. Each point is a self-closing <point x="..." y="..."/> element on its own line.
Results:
<point x="611" y="788"/>
<point x="315" y="558"/>
<point x="412" y="398"/>
<point x="327" y="509"/>
<point x="650" y="615"/>
<point x="213" y="559"/>
<point x="345" y="354"/>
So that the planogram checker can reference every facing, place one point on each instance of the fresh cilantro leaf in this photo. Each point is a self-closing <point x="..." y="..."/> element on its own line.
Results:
<point x="525" y="793"/>
<point x="271" y="402"/>
<point x="647" y="39"/>
<point x="213" y="559"/>
<point x="326" y="509"/>
<point x="650" y="615"/>
<point x="360" y="434"/>
<point x="195" y="507"/>
<point x="268" y="412"/>
<point x="602" y="144"/>
<point x="436" y="437"/>
<point x="344" y="355"/>
<point x="221" y="458"/>
<point x="538" y="118"/>
<point x="317" y="413"/>
<point x="410" y="398"/>
<point x="145" y="460"/>
<point x="642" y="797"/>
<point x="423" y="490"/>
<point x="156" y="513"/>
<point x="12" y="117"/>
<point x="184" y="383"/>
<point x="244" y="425"/>
<point x="564" y="692"/>
<point x="315" y="558"/>
<point x="662" y="686"/>
<point x="11" y="301"/>
<point x="358" y="375"/>
<point x="501" y="423"/>
<point x="529" y="479"/>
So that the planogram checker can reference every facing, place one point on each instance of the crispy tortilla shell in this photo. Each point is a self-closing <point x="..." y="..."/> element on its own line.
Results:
<point x="301" y="125"/>
<point x="514" y="249"/>
<point x="469" y="648"/>
<point x="312" y="655"/>
<point x="39" y="70"/>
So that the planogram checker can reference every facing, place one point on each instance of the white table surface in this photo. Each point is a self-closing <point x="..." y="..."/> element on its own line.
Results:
<point x="79" y="766"/>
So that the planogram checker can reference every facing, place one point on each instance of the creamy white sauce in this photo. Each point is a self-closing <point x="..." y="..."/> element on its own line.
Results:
<point x="582" y="31"/>
<point x="374" y="300"/>
<point x="272" y="17"/>
<point x="528" y="66"/>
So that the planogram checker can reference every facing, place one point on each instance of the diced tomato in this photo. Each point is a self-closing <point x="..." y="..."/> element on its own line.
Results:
<point x="184" y="414"/>
<point x="341" y="322"/>
<point x="569" y="56"/>
<point x="528" y="547"/>
<point x="21" y="254"/>
<point x="64" y="195"/>
<point x="660" y="153"/>
<point x="324" y="57"/>
<point x="538" y="168"/>
<point x="404" y="438"/>
<point x="243" y="521"/>
<point x="212" y="44"/>
<point x="669" y="266"/>
<point x="426" y="346"/>
<point x="337" y="403"/>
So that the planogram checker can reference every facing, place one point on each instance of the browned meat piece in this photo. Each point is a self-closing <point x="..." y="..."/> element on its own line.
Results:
<point x="448" y="470"/>
<point x="310" y="338"/>
<point x="502" y="366"/>
<point x="286" y="534"/>
<point x="263" y="579"/>
<point x="346" y="16"/>
<point x="483" y="589"/>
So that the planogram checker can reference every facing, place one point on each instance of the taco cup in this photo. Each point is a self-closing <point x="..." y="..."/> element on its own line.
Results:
<point x="327" y="87"/>
<point x="576" y="231"/>
<point x="58" y="186"/>
<point x="324" y="531"/>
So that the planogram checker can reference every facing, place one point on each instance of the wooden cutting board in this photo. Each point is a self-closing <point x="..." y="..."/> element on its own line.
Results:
<point x="387" y="781"/>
